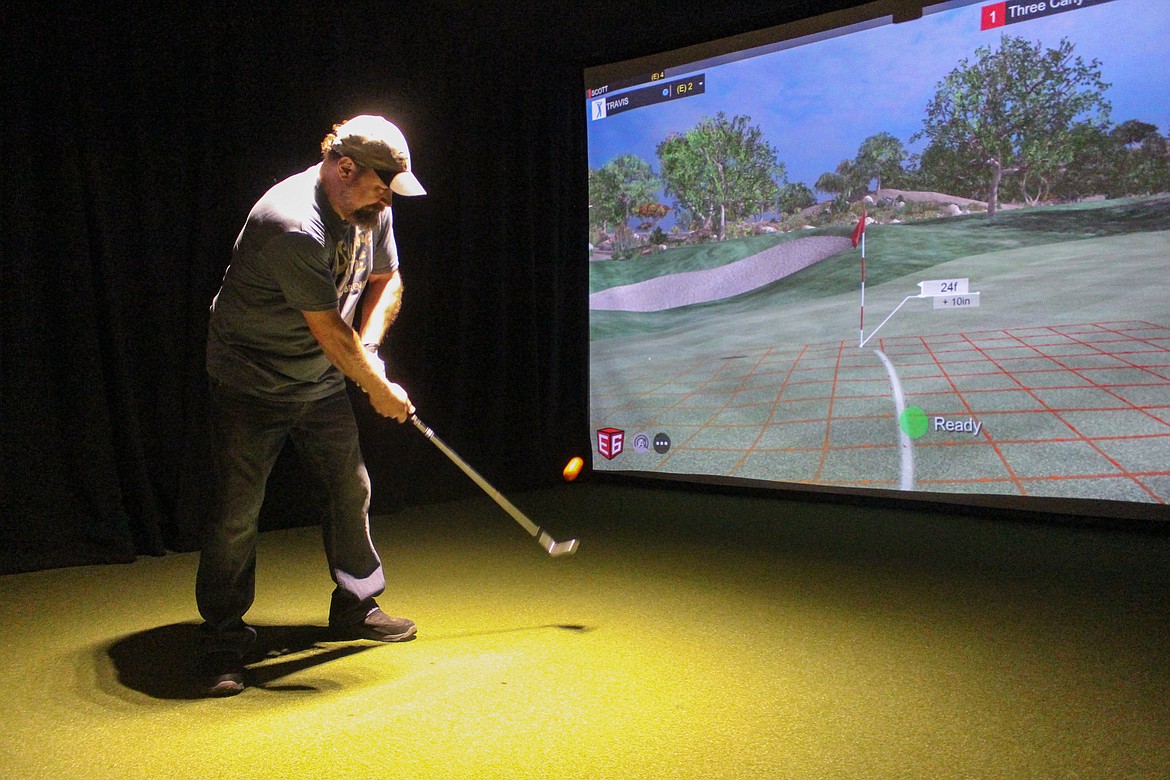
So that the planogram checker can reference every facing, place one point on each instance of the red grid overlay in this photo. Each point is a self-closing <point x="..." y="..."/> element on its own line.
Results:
<point x="1074" y="410"/>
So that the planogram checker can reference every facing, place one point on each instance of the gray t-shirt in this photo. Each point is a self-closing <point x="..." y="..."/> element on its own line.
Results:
<point x="294" y="254"/>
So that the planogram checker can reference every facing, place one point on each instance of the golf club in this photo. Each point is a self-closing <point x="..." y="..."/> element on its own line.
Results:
<point x="550" y="545"/>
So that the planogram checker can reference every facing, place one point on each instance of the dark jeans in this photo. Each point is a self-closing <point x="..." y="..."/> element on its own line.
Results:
<point x="248" y="434"/>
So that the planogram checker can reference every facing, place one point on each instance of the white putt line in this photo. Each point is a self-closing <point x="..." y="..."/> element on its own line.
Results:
<point x="906" y="444"/>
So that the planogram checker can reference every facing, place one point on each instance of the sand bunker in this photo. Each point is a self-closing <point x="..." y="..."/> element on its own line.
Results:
<point x="714" y="284"/>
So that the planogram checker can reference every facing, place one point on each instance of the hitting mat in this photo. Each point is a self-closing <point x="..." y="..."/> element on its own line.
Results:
<point x="691" y="636"/>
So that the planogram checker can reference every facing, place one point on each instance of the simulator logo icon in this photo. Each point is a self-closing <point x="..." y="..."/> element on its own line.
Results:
<point x="610" y="442"/>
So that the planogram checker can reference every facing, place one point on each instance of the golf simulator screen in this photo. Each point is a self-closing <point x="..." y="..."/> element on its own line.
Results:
<point x="927" y="257"/>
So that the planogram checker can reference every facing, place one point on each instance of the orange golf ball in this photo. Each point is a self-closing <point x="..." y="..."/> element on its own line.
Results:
<point x="573" y="468"/>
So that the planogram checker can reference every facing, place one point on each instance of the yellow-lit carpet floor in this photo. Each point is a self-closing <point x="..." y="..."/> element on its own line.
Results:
<point x="692" y="636"/>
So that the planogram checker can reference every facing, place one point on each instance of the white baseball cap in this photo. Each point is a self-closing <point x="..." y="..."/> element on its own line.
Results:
<point x="378" y="144"/>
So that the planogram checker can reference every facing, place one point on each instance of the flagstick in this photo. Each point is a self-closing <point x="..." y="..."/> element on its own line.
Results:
<point x="859" y="235"/>
<point x="861" y="329"/>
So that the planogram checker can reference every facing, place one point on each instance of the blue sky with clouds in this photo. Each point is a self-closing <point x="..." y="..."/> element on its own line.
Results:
<point x="816" y="103"/>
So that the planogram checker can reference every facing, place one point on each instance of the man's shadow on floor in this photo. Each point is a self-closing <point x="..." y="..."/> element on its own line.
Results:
<point x="163" y="662"/>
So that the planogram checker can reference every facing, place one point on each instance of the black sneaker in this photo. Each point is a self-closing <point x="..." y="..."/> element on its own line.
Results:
<point x="378" y="626"/>
<point x="224" y="673"/>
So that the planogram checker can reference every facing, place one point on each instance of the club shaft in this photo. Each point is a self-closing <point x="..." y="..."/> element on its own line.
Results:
<point x="496" y="496"/>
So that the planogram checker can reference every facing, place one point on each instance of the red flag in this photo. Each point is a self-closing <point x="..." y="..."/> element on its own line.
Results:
<point x="857" y="231"/>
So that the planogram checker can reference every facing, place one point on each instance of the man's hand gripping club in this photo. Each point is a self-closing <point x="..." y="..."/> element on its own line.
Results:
<point x="344" y="349"/>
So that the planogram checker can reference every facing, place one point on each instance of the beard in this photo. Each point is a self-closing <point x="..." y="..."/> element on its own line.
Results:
<point x="367" y="216"/>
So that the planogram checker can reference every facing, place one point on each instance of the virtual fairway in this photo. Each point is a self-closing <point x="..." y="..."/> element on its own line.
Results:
<point x="915" y="250"/>
<point x="1068" y="352"/>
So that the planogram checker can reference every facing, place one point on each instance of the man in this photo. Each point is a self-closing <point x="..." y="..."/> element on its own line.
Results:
<point x="281" y="340"/>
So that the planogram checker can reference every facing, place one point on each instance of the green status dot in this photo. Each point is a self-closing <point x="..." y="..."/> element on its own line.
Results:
<point x="913" y="422"/>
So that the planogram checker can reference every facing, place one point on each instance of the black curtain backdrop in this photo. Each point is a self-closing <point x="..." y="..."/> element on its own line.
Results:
<point x="139" y="135"/>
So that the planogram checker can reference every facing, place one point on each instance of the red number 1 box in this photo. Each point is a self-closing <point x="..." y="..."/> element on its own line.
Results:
<point x="994" y="15"/>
